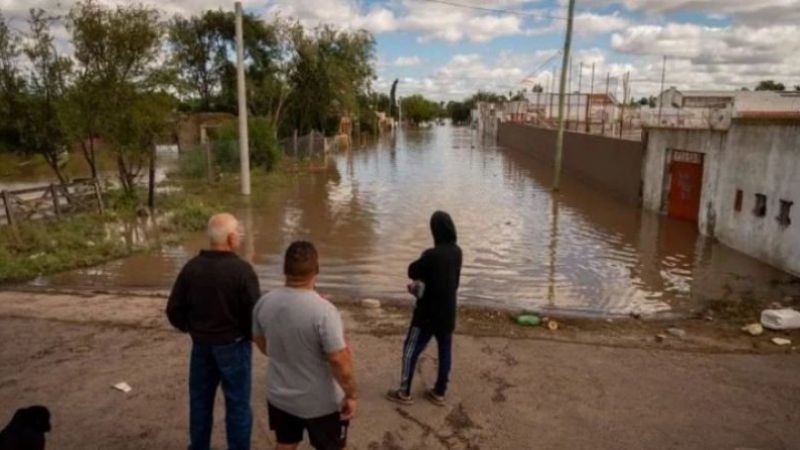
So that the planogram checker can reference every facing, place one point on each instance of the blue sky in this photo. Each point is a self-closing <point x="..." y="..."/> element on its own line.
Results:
<point x="448" y="52"/>
<point x="445" y="51"/>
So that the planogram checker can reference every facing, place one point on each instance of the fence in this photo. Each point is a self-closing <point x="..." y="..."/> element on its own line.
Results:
<point x="312" y="145"/>
<point x="50" y="202"/>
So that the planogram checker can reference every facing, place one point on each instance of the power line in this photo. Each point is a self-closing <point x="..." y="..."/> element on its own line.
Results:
<point x="497" y="10"/>
<point x="539" y="69"/>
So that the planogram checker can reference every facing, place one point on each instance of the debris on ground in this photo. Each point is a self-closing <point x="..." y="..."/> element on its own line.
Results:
<point x="636" y="315"/>
<point x="677" y="332"/>
<point x="529" y="320"/>
<point x="371" y="303"/>
<point x="661" y="337"/>
<point x="781" y="341"/>
<point x="123" y="386"/>
<point x="780" y="319"/>
<point x="753" y="329"/>
<point x="552" y="325"/>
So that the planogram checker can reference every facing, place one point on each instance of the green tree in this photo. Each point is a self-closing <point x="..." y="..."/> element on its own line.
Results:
<point x="41" y="128"/>
<point x="770" y="85"/>
<point x="11" y="87"/>
<point x="418" y="109"/>
<point x="537" y="88"/>
<point x="119" y="95"/>
<point x="331" y="70"/>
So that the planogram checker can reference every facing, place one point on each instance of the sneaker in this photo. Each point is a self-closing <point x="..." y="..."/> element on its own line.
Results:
<point x="434" y="398"/>
<point x="397" y="396"/>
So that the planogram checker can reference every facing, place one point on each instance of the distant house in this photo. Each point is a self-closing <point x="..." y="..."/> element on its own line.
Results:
<point x="730" y="162"/>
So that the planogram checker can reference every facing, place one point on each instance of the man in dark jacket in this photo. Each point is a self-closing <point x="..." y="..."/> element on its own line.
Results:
<point x="213" y="300"/>
<point x="439" y="270"/>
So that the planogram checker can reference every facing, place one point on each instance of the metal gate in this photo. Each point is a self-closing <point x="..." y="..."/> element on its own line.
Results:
<point x="686" y="185"/>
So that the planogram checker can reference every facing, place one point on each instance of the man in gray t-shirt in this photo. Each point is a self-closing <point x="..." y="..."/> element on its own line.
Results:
<point x="310" y="382"/>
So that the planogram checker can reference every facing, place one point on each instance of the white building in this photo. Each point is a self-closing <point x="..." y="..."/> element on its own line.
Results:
<point x="730" y="162"/>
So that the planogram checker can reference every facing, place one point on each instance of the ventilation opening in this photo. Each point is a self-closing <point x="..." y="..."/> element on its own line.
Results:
<point x="761" y="205"/>
<point x="737" y="206"/>
<point x="785" y="218"/>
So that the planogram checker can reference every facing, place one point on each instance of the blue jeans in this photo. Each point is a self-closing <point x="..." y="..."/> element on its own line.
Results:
<point x="416" y="341"/>
<point x="229" y="364"/>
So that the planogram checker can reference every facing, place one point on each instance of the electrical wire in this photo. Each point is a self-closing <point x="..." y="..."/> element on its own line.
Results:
<point x="496" y="10"/>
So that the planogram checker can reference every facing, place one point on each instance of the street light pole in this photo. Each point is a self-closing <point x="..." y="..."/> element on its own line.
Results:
<point x="244" y="150"/>
<point x="564" y="69"/>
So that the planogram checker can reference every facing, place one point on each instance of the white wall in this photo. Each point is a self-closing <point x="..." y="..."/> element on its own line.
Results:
<point x="660" y="143"/>
<point x="761" y="159"/>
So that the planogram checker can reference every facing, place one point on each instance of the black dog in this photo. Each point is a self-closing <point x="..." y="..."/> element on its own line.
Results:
<point x="26" y="429"/>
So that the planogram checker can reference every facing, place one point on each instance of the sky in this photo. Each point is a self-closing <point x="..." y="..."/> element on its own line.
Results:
<point x="448" y="49"/>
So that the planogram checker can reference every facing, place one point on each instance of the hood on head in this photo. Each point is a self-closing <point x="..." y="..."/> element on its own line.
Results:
<point x="443" y="228"/>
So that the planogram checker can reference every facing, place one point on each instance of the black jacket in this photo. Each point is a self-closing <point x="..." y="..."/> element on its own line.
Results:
<point x="440" y="269"/>
<point x="213" y="298"/>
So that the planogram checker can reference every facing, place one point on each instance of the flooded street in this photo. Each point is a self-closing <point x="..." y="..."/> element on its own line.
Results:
<point x="579" y="252"/>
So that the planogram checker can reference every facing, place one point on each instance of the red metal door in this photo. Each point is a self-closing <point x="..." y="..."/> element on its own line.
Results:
<point x="686" y="185"/>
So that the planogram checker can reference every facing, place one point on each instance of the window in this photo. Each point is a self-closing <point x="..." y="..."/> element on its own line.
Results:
<point x="761" y="205"/>
<point x="737" y="206"/>
<point x="784" y="218"/>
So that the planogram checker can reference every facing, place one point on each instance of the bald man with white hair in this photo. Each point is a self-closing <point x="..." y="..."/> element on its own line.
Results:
<point x="212" y="300"/>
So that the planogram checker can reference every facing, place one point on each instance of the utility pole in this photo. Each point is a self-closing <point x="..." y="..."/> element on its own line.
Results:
<point x="589" y="104"/>
<point x="580" y="96"/>
<point x="569" y="92"/>
<point x="244" y="150"/>
<point x="605" y="104"/>
<point x="564" y="67"/>
<point x="661" y="92"/>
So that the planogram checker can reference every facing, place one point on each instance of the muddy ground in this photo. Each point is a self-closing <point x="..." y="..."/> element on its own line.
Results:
<point x="589" y="385"/>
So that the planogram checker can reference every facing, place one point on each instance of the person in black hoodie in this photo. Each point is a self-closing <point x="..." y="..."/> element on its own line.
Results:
<point x="439" y="269"/>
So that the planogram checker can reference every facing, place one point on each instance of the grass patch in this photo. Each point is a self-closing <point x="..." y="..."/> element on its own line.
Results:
<point x="46" y="247"/>
<point x="40" y="248"/>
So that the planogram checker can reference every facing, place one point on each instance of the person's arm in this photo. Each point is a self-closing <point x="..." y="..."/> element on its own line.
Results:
<point x="251" y="292"/>
<point x="340" y="359"/>
<point x="417" y="269"/>
<point x="261" y="343"/>
<point x="341" y="363"/>
<point x="178" y="304"/>
<point x="259" y="333"/>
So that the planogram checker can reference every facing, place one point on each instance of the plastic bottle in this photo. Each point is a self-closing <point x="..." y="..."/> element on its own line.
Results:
<point x="529" y="320"/>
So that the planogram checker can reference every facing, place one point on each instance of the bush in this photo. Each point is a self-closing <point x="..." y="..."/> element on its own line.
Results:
<point x="265" y="152"/>
<point x="191" y="215"/>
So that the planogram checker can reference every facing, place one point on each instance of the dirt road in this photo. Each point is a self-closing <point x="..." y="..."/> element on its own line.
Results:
<point x="513" y="392"/>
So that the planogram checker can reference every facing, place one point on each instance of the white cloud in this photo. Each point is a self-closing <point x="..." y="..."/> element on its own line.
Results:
<point x="405" y="61"/>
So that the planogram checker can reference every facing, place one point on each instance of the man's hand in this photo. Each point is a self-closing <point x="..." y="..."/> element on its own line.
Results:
<point x="348" y="408"/>
<point x="261" y="343"/>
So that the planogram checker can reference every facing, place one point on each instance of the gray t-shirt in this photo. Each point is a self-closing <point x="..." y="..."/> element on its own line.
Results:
<point x="301" y="328"/>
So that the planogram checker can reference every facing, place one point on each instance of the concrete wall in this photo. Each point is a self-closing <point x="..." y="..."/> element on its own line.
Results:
<point x="755" y="158"/>
<point x="612" y="165"/>
<point x="658" y="154"/>
<point x="763" y="159"/>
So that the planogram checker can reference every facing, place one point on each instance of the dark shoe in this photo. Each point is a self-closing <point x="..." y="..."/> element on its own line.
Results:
<point x="398" y="396"/>
<point x="434" y="398"/>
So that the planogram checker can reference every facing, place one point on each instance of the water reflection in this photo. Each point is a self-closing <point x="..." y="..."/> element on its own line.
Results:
<point x="578" y="251"/>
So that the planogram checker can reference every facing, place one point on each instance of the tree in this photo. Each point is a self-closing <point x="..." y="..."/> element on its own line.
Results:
<point x="393" y="100"/>
<point x="41" y="127"/>
<point x="418" y="109"/>
<point x="770" y="85"/>
<point x="11" y="87"/>
<point x="537" y="88"/>
<point x="331" y="70"/>
<point x="117" y="52"/>
<point x="797" y="87"/>
<point x="644" y="101"/>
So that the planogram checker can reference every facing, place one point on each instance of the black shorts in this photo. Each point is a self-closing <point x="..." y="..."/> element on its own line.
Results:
<point x="325" y="433"/>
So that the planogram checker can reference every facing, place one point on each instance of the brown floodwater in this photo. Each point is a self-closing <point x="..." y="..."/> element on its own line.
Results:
<point x="577" y="252"/>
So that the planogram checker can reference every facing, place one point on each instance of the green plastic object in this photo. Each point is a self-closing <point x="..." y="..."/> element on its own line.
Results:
<point x="529" y="320"/>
